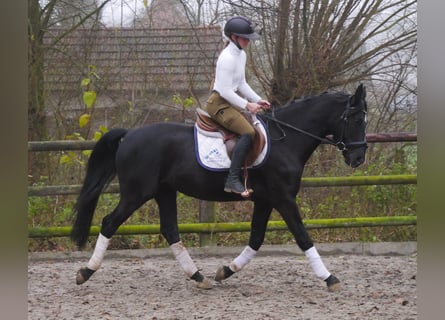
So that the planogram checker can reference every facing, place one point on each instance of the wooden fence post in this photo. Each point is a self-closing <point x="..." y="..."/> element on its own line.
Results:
<point x="206" y="214"/>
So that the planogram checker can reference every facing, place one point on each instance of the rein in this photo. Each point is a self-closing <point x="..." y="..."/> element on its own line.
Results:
<point x="341" y="146"/>
<point x="325" y="140"/>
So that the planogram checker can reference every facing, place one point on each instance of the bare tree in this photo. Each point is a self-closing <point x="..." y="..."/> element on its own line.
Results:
<point x="316" y="45"/>
<point x="67" y="14"/>
<point x="200" y="12"/>
<point x="41" y="16"/>
<point x="310" y="46"/>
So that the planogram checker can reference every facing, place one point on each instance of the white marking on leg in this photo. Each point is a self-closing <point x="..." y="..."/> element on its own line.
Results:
<point x="99" y="252"/>
<point x="317" y="264"/>
<point x="244" y="258"/>
<point x="184" y="259"/>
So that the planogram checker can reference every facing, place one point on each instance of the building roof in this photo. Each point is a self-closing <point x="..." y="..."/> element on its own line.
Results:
<point x="171" y="59"/>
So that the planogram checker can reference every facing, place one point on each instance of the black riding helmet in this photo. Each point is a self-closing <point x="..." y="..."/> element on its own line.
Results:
<point x="241" y="27"/>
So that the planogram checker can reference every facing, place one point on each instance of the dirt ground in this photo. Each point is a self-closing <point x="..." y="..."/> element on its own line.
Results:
<point x="275" y="285"/>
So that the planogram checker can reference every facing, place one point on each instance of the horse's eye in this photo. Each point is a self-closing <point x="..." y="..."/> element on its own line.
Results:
<point x="360" y="120"/>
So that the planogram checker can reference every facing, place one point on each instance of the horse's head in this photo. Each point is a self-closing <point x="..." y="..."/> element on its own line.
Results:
<point x="350" y="135"/>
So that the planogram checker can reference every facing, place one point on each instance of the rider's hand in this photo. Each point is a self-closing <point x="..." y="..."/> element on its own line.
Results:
<point x="264" y="104"/>
<point x="253" y="107"/>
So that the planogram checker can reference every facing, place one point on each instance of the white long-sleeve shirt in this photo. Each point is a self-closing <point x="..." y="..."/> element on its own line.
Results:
<point x="230" y="77"/>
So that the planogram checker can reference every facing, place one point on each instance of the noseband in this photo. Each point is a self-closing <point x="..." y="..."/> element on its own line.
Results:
<point x="340" y="144"/>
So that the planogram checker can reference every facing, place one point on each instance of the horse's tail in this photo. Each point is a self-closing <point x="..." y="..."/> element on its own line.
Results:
<point x="101" y="170"/>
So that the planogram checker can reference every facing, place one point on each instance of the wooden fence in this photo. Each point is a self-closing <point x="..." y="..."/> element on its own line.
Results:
<point x="206" y="227"/>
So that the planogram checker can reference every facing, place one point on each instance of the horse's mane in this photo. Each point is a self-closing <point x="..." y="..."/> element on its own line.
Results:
<point x="305" y="99"/>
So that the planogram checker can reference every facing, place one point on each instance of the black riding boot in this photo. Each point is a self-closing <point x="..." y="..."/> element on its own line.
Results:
<point x="233" y="183"/>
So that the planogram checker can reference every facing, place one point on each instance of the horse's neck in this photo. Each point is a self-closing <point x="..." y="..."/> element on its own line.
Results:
<point x="315" y="116"/>
<point x="306" y="116"/>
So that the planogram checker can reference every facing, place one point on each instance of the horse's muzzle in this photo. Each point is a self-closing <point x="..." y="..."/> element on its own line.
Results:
<point x="355" y="157"/>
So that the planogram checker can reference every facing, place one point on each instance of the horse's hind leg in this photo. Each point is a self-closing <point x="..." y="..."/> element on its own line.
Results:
<point x="110" y="224"/>
<point x="166" y="200"/>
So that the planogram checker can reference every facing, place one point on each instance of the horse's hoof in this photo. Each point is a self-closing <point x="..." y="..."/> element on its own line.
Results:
<point x="220" y="274"/>
<point x="205" y="284"/>
<point x="83" y="275"/>
<point x="333" y="283"/>
<point x="223" y="273"/>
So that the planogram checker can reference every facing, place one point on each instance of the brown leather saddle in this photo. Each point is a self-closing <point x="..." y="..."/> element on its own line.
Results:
<point x="206" y="123"/>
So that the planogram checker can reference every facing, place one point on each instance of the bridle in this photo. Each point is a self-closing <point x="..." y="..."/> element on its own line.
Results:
<point x="345" y="117"/>
<point x="340" y="144"/>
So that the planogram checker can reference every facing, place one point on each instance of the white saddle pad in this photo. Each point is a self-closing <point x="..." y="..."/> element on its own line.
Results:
<point x="211" y="151"/>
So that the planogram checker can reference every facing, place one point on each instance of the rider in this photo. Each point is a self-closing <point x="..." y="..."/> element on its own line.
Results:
<point x="231" y="95"/>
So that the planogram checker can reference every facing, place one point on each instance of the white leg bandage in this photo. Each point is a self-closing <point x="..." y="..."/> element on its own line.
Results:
<point x="183" y="257"/>
<point x="244" y="258"/>
<point x="99" y="252"/>
<point x="317" y="264"/>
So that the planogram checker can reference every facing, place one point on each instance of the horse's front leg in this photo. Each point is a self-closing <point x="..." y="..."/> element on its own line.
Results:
<point x="291" y="215"/>
<point x="166" y="200"/>
<point x="261" y="214"/>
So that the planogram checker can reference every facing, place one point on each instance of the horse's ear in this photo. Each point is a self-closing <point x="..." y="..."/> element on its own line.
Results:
<point x="360" y="93"/>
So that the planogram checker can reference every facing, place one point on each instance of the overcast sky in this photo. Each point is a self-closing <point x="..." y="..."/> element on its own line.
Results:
<point x="121" y="11"/>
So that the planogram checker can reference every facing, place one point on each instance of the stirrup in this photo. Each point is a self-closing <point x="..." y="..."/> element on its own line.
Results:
<point x="238" y="188"/>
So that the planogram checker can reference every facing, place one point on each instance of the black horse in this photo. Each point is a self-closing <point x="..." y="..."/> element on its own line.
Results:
<point x="158" y="160"/>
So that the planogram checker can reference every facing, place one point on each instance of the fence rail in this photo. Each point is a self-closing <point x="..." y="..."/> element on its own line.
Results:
<point x="309" y="182"/>
<point x="40" y="232"/>
<point x="205" y="228"/>
<point x="65" y="145"/>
